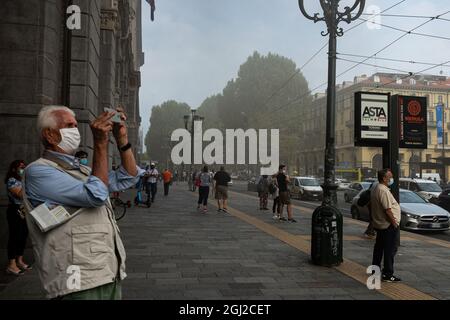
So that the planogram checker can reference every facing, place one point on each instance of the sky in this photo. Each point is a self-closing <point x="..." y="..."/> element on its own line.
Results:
<point x="193" y="48"/>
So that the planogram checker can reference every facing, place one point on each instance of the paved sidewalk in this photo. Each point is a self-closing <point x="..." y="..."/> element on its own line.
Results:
<point x="176" y="252"/>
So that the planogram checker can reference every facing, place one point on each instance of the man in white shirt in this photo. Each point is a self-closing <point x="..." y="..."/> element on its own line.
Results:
<point x="152" y="176"/>
<point x="386" y="215"/>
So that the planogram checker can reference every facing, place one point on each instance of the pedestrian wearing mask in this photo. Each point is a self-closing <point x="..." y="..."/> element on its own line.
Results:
<point x="89" y="243"/>
<point x="17" y="227"/>
<point x="282" y="181"/>
<point x="82" y="157"/>
<point x="152" y="176"/>
<point x="386" y="215"/>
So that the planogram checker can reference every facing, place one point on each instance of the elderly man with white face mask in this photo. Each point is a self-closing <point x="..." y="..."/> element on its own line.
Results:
<point x="84" y="257"/>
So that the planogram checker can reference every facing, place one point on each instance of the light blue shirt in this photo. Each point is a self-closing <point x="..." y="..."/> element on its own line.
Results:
<point x="45" y="184"/>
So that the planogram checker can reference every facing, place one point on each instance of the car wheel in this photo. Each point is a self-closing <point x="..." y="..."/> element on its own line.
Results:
<point x="355" y="213"/>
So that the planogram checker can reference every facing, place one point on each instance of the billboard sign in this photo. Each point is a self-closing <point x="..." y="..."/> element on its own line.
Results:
<point x="413" y="122"/>
<point x="371" y="119"/>
<point x="440" y="123"/>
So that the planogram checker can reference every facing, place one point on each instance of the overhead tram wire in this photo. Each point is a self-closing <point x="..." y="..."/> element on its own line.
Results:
<point x="402" y="30"/>
<point x="391" y="60"/>
<point x="362" y="62"/>
<point x="391" y="43"/>
<point x="317" y="53"/>
<point x="403" y="16"/>
<point x="376" y="15"/>
<point x="374" y="65"/>
<point x="377" y="87"/>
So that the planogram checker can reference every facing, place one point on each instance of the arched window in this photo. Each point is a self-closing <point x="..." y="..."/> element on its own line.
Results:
<point x="377" y="162"/>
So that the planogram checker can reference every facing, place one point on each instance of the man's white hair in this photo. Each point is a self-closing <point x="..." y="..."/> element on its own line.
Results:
<point x="48" y="119"/>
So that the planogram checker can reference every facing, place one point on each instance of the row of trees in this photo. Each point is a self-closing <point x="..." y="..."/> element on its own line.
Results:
<point x="268" y="93"/>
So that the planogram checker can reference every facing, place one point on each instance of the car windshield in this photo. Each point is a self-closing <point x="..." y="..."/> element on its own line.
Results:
<point x="429" y="187"/>
<point x="410" y="197"/>
<point x="365" y="185"/>
<point x="310" y="182"/>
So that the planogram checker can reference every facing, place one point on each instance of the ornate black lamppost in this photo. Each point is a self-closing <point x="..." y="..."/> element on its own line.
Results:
<point x="332" y="16"/>
<point x="193" y="117"/>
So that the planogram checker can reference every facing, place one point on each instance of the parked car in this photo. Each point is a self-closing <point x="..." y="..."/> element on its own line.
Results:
<point x="417" y="213"/>
<point x="427" y="189"/>
<point x="354" y="189"/>
<point x="343" y="184"/>
<point x="306" y="188"/>
<point x="443" y="200"/>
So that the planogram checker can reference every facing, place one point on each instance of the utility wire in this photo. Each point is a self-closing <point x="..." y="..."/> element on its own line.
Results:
<point x="316" y="54"/>
<point x="392" y="60"/>
<point x="390" y="44"/>
<point x="377" y="14"/>
<point x="373" y="65"/>
<point x="402" y="16"/>
<point x="377" y="87"/>
<point x="402" y="30"/>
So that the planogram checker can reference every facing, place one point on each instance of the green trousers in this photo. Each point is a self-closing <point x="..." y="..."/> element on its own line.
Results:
<point x="110" y="291"/>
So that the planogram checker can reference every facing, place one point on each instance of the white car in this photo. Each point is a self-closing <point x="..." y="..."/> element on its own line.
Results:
<point x="427" y="189"/>
<point x="342" y="184"/>
<point x="306" y="188"/>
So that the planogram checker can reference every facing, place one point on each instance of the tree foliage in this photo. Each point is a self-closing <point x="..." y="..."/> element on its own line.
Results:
<point x="164" y="120"/>
<point x="268" y="93"/>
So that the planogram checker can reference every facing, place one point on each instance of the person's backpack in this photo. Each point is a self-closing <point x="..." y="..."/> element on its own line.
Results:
<point x="364" y="198"/>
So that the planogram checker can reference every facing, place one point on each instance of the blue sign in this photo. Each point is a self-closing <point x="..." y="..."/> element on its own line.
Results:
<point x="440" y="123"/>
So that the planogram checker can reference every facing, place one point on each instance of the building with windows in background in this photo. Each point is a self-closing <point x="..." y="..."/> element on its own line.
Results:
<point x="351" y="159"/>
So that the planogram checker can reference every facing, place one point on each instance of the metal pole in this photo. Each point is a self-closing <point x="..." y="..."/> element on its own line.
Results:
<point x="192" y="144"/>
<point x="443" y="142"/>
<point x="326" y="233"/>
<point x="330" y="187"/>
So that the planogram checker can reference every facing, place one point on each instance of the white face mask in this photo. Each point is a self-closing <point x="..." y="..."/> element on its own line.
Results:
<point x="391" y="181"/>
<point x="70" y="140"/>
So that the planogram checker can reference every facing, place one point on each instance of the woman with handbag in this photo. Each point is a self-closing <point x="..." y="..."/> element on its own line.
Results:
<point x="18" y="231"/>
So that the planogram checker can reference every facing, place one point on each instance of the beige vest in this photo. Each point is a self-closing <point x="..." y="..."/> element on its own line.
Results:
<point x="89" y="242"/>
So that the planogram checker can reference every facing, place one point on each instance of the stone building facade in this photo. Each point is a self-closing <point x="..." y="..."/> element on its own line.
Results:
<point x="42" y="62"/>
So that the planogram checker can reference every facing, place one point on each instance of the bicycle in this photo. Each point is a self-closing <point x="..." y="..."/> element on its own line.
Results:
<point x="119" y="206"/>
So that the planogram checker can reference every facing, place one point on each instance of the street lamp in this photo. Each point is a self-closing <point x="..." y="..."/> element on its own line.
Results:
<point x="332" y="17"/>
<point x="186" y="121"/>
<point x="193" y="117"/>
